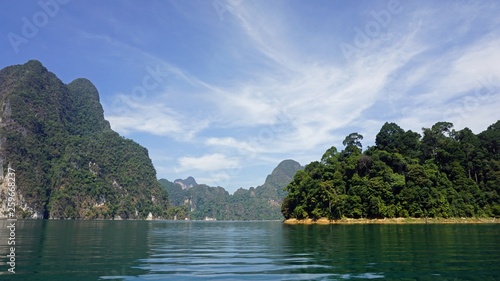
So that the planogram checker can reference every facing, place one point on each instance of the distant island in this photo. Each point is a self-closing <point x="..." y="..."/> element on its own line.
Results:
<point x="443" y="174"/>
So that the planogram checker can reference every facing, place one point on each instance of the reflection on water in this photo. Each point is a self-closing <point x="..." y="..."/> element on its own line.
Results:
<point x="226" y="251"/>
<point x="159" y="250"/>
<point x="402" y="252"/>
<point x="82" y="250"/>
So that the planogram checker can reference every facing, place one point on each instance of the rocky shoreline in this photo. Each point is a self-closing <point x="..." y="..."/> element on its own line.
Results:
<point x="394" y="221"/>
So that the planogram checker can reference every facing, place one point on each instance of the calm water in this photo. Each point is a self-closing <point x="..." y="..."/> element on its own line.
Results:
<point x="142" y="250"/>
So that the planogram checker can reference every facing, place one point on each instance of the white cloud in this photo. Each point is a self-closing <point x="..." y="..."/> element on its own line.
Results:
<point x="208" y="162"/>
<point x="230" y="142"/>
<point x="216" y="179"/>
<point x="156" y="119"/>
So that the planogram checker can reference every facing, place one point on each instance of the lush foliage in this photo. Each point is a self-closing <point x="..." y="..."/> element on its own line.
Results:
<point x="260" y="203"/>
<point x="442" y="173"/>
<point x="68" y="161"/>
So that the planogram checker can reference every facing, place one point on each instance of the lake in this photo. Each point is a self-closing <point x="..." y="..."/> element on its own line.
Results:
<point x="188" y="250"/>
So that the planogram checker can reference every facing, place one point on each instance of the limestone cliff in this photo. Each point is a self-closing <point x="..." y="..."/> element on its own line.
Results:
<point x="68" y="161"/>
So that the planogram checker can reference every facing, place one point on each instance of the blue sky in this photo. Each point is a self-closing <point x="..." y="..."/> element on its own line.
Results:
<point x="224" y="90"/>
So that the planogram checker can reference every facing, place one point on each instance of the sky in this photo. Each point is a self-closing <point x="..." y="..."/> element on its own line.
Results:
<point x="224" y="90"/>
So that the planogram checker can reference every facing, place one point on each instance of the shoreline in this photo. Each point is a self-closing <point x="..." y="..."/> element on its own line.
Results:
<point x="325" y="221"/>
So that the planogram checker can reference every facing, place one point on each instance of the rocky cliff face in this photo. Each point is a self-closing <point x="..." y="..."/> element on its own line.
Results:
<point x="186" y="183"/>
<point x="68" y="161"/>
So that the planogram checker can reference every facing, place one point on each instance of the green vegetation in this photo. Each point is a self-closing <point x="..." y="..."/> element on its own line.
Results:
<point x="68" y="161"/>
<point x="443" y="174"/>
<point x="260" y="203"/>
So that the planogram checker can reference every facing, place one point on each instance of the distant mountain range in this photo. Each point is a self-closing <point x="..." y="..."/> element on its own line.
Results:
<point x="200" y="201"/>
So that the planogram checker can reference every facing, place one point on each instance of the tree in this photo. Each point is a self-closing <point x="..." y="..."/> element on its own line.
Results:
<point x="433" y="136"/>
<point x="409" y="144"/>
<point x="389" y="137"/>
<point x="353" y="139"/>
<point x="490" y="139"/>
<point x="330" y="157"/>
<point x="353" y="144"/>
<point x="471" y="151"/>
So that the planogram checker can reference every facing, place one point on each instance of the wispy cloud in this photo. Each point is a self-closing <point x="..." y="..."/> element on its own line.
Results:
<point x="209" y="162"/>
<point x="269" y="95"/>
<point x="230" y="142"/>
<point x="319" y="96"/>
<point x="156" y="119"/>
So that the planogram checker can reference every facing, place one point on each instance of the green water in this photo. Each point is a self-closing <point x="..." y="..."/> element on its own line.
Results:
<point x="142" y="250"/>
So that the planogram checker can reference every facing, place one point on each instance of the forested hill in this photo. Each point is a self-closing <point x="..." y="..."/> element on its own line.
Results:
<point x="68" y="162"/>
<point x="441" y="173"/>
<point x="260" y="203"/>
